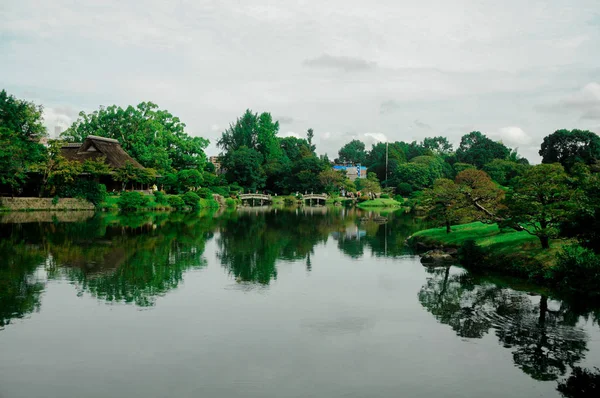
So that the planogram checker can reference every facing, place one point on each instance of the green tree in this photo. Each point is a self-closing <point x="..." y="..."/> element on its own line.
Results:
<point x="477" y="149"/>
<point x="480" y="195"/>
<point x="584" y="221"/>
<point x="21" y="129"/>
<point x="376" y="159"/>
<point x="439" y="145"/>
<point x="539" y="201"/>
<point x="310" y="134"/>
<point x="443" y="202"/>
<point x="153" y="136"/>
<point x="189" y="179"/>
<point x="353" y="152"/>
<point x="332" y="180"/>
<point x="504" y="171"/>
<point x="244" y="166"/>
<point x="569" y="147"/>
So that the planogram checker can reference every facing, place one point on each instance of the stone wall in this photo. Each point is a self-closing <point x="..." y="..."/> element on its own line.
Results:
<point x="22" y="204"/>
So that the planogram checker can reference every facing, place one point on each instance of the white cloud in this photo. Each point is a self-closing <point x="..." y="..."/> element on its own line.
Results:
<point x="375" y="137"/>
<point x="512" y="136"/>
<point x="586" y="102"/>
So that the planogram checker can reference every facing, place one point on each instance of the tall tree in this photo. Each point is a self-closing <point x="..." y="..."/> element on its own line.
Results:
<point x="439" y="145"/>
<point x="244" y="166"/>
<point x="569" y="147"/>
<point x="153" y="136"/>
<point x="477" y="149"/>
<point x="21" y="130"/>
<point x="443" y="202"/>
<point x="539" y="201"/>
<point x="353" y="152"/>
<point x="309" y="137"/>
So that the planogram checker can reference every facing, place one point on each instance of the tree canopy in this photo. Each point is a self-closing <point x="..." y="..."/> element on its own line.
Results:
<point x="154" y="137"/>
<point x="568" y="147"/>
<point x="477" y="149"/>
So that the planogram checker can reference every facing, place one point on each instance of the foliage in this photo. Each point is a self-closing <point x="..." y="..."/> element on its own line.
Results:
<point x="205" y="193"/>
<point x="176" y="202"/>
<point x="189" y="179"/>
<point x="577" y="269"/>
<point x="89" y="190"/>
<point x="21" y="129"/>
<point x="244" y="166"/>
<point x="191" y="199"/>
<point x="477" y="149"/>
<point x="584" y="220"/>
<point x="160" y="198"/>
<point x="539" y="201"/>
<point x="376" y="159"/>
<point x="481" y="198"/>
<point x="131" y="174"/>
<point x="458" y="167"/>
<point x="332" y="180"/>
<point x="154" y="137"/>
<point x="569" y="147"/>
<point x="443" y="202"/>
<point x="353" y="152"/>
<point x="369" y="185"/>
<point x="230" y="203"/>
<point x="131" y="201"/>
<point x="404" y="189"/>
<point x="504" y="171"/>
<point x="439" y="145"/>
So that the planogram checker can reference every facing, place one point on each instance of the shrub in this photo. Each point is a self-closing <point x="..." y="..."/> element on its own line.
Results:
<point x="230" y="203"/>
<point x="129" y="201"/>
<point x="576" y="269"/>
<point x="384" y="196"/>
<point x="399" y="198"/>
<point x="405" y="189"/>
<point x="203" y="193"/>
<point x="223" y="191"/>
<point x="55" y="200"/>
<point x="160" y="198"/>
<point x="288" y="201"/>
<point x="192" y="200"/>
<point x="175" y="202"/>
<point x="84" y="189"/>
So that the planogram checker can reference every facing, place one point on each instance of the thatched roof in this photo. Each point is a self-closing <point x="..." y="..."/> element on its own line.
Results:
<point x="95" y="147"/>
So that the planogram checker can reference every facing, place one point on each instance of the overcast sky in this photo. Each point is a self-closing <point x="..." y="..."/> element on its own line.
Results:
<point x="373" y="70"/>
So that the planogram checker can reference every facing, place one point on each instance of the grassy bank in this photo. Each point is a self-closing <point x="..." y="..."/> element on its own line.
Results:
<point x="379" y="202"/>
<point x="507" y="251"/>
<point x="111" y="204"/>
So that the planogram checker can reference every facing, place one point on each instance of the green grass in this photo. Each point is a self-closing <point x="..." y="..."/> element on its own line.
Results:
<point x="379" y="202"/>
<point x="502" y="243"/>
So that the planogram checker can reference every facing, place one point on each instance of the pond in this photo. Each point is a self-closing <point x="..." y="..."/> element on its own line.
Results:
<point x="259" y="302"/>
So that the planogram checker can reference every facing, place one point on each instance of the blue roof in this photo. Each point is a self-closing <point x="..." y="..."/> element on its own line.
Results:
<point x="341" y="167"/>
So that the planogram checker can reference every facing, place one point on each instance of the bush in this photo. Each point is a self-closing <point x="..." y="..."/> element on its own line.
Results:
<point x="384" y="196"/>
<point x="129" y="201"/>
<point x="192" y="200"/>
<point x="175" y="202"/>
<point x="84" y="189"/>
<point x="577" y="269"/>
<point x="230" y="203"/>
<point x="404" y="189"/>
<point x="160" y="198"/>
<point x="399" y="198"/>
<point x="203" y="193"/>
<point x="222" y="190"/>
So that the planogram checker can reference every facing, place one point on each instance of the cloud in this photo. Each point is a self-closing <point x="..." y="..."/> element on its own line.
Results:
<point x="388" y="106"/>
<point x="376" y="137"/>
<point x="512" y="136"/>
<point x="586" y="102"/>
<point x="285" y="120"/>
<point x="422" y="125"/>
<point x="345" y="63"/>
<point x="290" y="134"/>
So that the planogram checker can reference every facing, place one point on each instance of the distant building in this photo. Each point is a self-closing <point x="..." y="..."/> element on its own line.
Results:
<point x="353" y="172"/>
<point x="58" y="130"/>
<point x="216" y="161"/>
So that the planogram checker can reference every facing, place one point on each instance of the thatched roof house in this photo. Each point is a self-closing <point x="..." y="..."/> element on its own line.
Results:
<point x="95" y="147"/>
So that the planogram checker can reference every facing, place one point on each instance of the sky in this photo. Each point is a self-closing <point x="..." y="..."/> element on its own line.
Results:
<point x="371" y="70"/>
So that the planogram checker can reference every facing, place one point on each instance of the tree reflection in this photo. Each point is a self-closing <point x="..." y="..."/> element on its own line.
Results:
<point x="582" y="383"/>
<point x="540" y="333"/>
<point x="20" y="290"/>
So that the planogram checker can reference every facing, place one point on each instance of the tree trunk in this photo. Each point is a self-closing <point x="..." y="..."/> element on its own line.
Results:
<point x="545" y="241"/>
<point x="448" y="229"/>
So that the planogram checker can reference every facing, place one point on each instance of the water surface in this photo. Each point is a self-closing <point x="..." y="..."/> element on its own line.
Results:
<point x="268" y="303"/>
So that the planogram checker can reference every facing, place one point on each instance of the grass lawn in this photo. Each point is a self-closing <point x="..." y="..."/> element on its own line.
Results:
<point x="379" y="202"/>
<point x="506" y="242"/>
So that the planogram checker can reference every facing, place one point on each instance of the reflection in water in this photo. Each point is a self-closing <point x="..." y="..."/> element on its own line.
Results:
<point x="138" y="258"/>
<point x="542" y="334"/>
